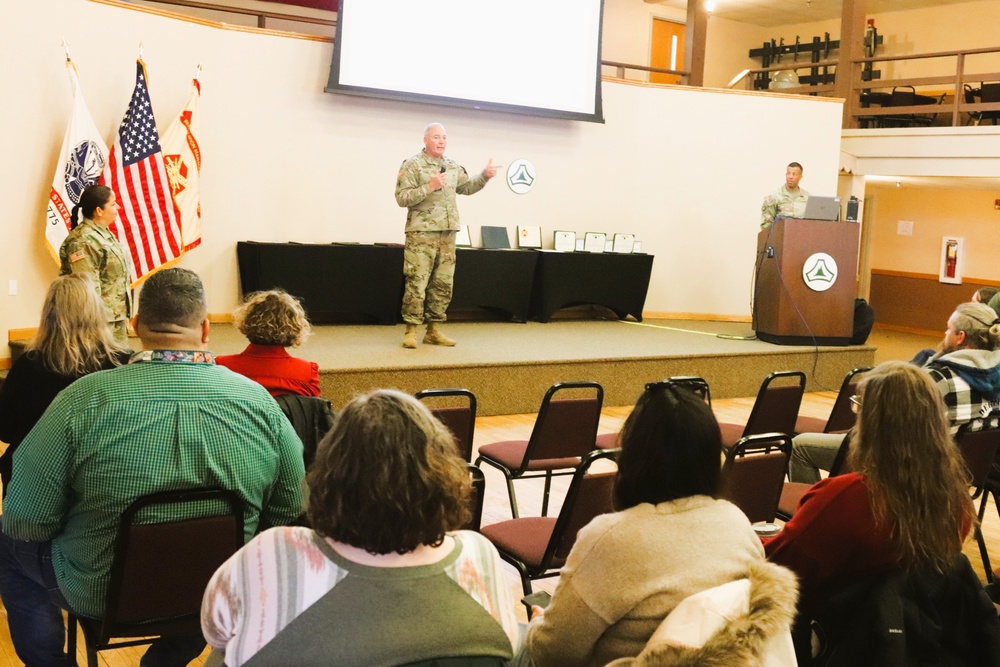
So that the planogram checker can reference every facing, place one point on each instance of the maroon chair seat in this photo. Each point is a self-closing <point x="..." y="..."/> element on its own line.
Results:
<point x="565" y="430"/>
<point x="510" y="453"/>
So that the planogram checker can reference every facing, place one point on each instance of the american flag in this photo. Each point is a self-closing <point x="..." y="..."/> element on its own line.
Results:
<point x="148" y="220"/>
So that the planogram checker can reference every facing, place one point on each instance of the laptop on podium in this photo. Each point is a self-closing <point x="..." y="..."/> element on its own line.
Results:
<point x="822" y="208"/>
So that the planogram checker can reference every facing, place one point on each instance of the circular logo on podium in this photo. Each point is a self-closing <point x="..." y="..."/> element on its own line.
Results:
<point x="521" y="176"/>
<point x="819" y="272"/>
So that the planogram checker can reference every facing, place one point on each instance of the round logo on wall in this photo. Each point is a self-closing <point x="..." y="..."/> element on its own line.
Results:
<point x="819" y="272"/>
<point x="521" y="176"/>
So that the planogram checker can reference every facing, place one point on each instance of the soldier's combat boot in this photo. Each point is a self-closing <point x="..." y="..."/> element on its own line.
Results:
<point x="435" y="337"/>
<point x="410" y="337"/>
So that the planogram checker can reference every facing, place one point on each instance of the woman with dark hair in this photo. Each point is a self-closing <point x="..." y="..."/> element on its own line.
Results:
<point x="272" y="321"/>
<point x="906" y="505"/>
<point x="383" y="577"/>
<point x="669" y="539"/>
<point x="73" y="340"/>
<point x="92" y="249"/>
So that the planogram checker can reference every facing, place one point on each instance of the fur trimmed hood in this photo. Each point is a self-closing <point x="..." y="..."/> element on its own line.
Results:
<point x="743" y="640"/>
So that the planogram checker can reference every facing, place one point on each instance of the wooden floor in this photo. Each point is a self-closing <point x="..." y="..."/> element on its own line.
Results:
<point x="529" y="492"/>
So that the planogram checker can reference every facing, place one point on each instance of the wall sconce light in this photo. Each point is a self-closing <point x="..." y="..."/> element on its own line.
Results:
<point x="898" y="184"/>
<point x="996" y="204"/>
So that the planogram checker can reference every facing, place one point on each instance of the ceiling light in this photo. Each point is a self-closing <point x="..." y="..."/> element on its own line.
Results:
<point x="709" y="5"/>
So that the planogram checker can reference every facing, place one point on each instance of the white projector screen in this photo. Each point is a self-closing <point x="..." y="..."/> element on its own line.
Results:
<point x="539" y="57"/>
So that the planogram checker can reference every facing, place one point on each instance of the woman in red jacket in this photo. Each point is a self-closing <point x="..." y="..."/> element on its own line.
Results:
<point x="906" y="505"/>
<point x="272" y="321"/>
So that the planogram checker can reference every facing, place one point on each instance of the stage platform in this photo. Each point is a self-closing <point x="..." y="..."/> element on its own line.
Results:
<point x="509" y="366"/>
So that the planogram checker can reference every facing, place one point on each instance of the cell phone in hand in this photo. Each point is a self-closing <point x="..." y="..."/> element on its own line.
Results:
<point x="541" y="598"/>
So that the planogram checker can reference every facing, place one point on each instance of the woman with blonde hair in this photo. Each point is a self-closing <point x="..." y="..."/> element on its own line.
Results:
<point x="73" y="339"/>
<point x="384" y="576"/>
<point x="272" y="321"/>
<point x="905" y="507"/>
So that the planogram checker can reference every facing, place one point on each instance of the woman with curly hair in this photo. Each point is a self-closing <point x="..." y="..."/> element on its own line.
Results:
<point x="383" y="577"/>
<point x="73" y="339"/>
<point x="272" y="321"/>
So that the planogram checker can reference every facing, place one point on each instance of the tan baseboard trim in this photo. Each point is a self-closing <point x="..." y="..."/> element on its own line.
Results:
<point x="904" y="329"/>
<point x="712" y="317"/>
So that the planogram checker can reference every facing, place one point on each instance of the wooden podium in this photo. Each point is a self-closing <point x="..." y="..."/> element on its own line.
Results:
<point x="786" y="310"/>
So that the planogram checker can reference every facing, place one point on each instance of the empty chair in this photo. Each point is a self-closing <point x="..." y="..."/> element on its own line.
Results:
<point x="774" y="411"/>
<point x="159" y="570"/>
<point x="754" y="473"/>
<point x="841" y="415"/>
<point x="537" y="546"/>
<point x="565" y="430"/>
<point x="460" y="419"/>
<point x="979" y="450"/>
<point x="792" y="492"/>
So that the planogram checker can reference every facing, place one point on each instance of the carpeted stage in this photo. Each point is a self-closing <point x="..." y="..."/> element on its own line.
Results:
<point x="509" y="366"/>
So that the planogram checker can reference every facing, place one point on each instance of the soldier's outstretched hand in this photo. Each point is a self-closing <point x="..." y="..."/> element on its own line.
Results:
<point x="491" y="169"/>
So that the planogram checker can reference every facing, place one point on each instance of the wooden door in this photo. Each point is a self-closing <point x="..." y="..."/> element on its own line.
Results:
<point x="667" y="50"/>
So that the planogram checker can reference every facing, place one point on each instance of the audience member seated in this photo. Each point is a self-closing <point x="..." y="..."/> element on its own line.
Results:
<point x="170" y="419"/>
<point x="73" y="339"/>
<point x="380" y="578"/>
<point x="670" y="538"/>
<point x="966" y="371"/>
<point x="906" y="507"/>
<point x="984" y="294"/>
<point x="272" y="321"/>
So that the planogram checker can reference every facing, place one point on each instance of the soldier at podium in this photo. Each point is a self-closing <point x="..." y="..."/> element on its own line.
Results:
<point x="788" y="201"/>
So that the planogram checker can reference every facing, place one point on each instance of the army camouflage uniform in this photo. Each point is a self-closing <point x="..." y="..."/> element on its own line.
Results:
<point x="783" y="203"/>
<point x="93" y="250"/>
<point x="431" y="227"/>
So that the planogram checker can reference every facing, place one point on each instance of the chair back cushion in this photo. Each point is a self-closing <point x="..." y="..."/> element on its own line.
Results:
<point x="461" y="421"/>
<point x="775" y="410"/>
<point x="168" y="565"/>
<point x="567" y="428"/>
<point x="979" y="450"/>
<point x="754" y="474"/>
<point x="592" y="497"/>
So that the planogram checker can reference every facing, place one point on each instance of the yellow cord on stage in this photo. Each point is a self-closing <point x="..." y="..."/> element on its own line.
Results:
<point x="702" y="333"/>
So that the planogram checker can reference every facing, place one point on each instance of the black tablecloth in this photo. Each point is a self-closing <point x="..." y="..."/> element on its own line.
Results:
<point x="338" y="281"/>
<point x="618" y="282"/>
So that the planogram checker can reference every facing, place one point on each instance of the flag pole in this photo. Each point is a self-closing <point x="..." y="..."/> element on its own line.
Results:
<point x="66" y="49"/>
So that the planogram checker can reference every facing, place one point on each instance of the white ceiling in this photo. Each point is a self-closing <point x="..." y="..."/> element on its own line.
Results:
<point x="771" y="13"/>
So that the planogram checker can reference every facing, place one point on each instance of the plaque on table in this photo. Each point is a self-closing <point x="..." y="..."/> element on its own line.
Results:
<point x="495" y="237"/>
<point x="623" y="243"/>
<point x="463" y="239"/>
<point x="594" y="241"/>
<point x="529" y="237"/>
<point x="564" y="241"/>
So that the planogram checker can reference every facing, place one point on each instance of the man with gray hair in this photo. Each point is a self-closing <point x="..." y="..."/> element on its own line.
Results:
<point x="427" y="185"/>
<point x="170" y="419"/>
<point x="966" y="371"/>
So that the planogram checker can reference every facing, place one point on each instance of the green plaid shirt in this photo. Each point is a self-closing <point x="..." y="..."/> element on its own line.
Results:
<point x="151" y="426"/>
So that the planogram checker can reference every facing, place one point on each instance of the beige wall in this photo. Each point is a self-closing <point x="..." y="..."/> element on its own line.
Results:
<point x="935" y="213"/>
<point x="626" y="33"/>
<point x="285" y="161"/>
